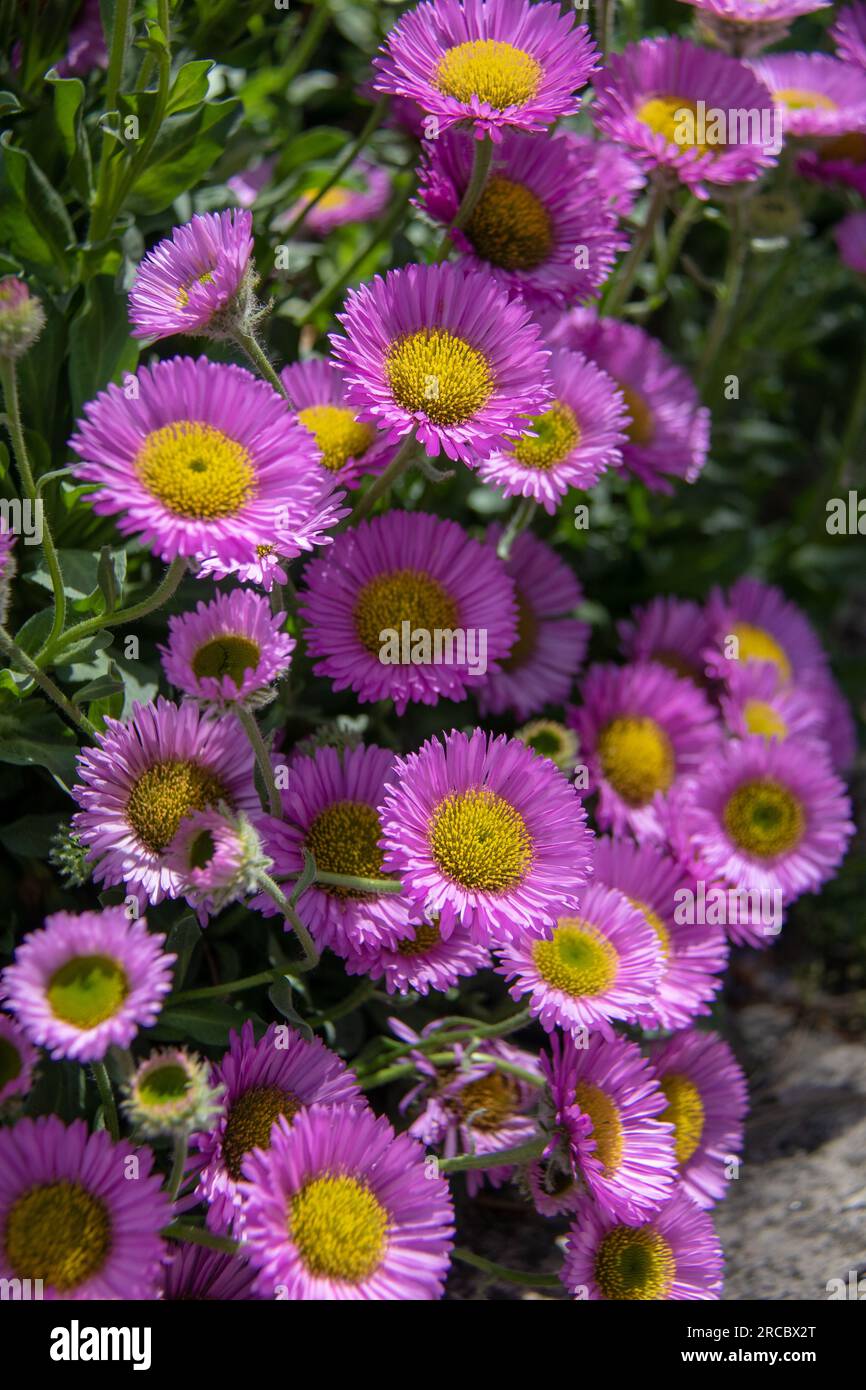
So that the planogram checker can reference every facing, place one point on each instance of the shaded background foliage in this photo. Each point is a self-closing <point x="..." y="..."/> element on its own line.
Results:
<point x="249" y="81"/>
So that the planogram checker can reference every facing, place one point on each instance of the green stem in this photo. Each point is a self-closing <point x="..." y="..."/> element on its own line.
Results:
<point x="117" y="54"/>
<point x="624" y="281"/>
<point x="45" y="683"/>
<point x="359" y="885"/>
<point x="377" y="115"/>
<point x="521" y="1153"/>
<point x="383" y="232"/>
<point x="178" y="1164"/>
<point x="304" y="50"/>
<point x="441" y="1038"/>
<point x="510" y="1068"/>
<point x="604" y="28"/>
<point x="264" y="977"/>
<point x="197" y="1235"/>
<point x="138" y="163"/>
<point x="520" y="518"/>
<point x="482" y="155"/>
<point x="504" y="1274"/>
<point x="263" y="760"/>
<point x="682" y="224"/>
<point x="381" y="485"/>
<point x="728" y="294"/>
<point x="248" y="344"/>
<point x="106" y="1095"/>
<point x="352" y="1001"/>
<point x="9" y="380"/>
<point x="311" y="955"/>
<point x="446" y="1059"/>
<point x="161" y="594"/>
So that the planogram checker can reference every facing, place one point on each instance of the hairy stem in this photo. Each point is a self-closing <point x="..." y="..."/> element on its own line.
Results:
<point x="311" y="955"/>
<point x="482" y="155"/>
<point x="504" y="1274"/>
<point x="263" y="760"/>
<point x="624" y="281"/>
<point x="161" y="594"/>
<point x="22" y="661"/>
<point x="382" y="485"/>
<point x="521" y="1153"/>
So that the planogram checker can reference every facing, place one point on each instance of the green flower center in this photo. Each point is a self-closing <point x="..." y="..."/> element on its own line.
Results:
<point x="764" y="818"/>
<point x="230" y="655"/>
<point x="87" y="990"/>
<point x="577" y="960"/>
<point x="165" y="1086"/>
<point x="10" y="1062"/>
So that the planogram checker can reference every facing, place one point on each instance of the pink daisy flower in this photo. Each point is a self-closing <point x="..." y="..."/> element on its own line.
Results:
<point x="837" y="161"/>
<point x="838" y="729"/>
<point x="672" y="632"/>
<point x="571" y="443"/>
<point x="476" y="1107"/>
<point x="625" y="1157"/>
<point x="664" y="130"/>
<point x="600" y="964"/>
<point x="18" y="1058"/>
<point x="550" y="644"/>
<point x="707" y="1100"/>
<point x="71" y="1215"/>
<point x="694" y="955"/>
<point x="487" y="66"/>
<point x="441" y="352"/>
<point x="140" y="781"/>
<point x="766" y="819"/>
<point x="84" y="983"/>
<point x="360" y="196"/>
<point x="485" y="833"/>
<point x="349" y="447"/>
<point x="620" y="178"/>
<point x="551" y="239"/>
<point x="281" y="1075"/>
<point x="674" y="1255"/>
<point x="188" y="281"/>
<point x="767" y="627"/>
<point x="817" y="94"/>
<point x="217" y="858"/>
<point x="206" y="1275"/>
<point x="229" y="651"/>
<point x="408" y="607"/>
<point x="849" y="33"/>
<point x="248" y="183"/>
<point x="330" y="809"/>
<point x="640" y="729"/>
<point x="667" y="429"/>
<point x="420" y="962"/>
<point x="755" y="703"/>
<point x="339" y="1208"/>
<point x="204" y="461"/>
<point x="850" y="236"/>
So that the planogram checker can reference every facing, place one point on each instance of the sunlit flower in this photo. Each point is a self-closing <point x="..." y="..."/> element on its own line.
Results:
<point x="674" y="1255"/>
<point x="707" y="1101"/>
<point x="186" y="282"/>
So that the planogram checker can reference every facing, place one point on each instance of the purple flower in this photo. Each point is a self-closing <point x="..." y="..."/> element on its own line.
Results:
<point x="339" y="1207"/>
<point x="767" y="627"/>
<point x="487" y="64"/>
<point x="72" y="1215"/>
<point x="360" y="197"/>
<point x="18" y="1059"/>
<point x="549" y="237"/>
<point x="86" y="49"/>
<point x="196" y="1273"/>
<point x="485" y="833"/>
<point x="84" y="983"/>
<point x="217" y="859"/>
<point x="348" y="447"/>
<point x="816" y="94"/>
<point x="421" y="961"/>
<point x="229" y="651"/>
<point x="186" y="282"/>
<point x="441" y="352"/>
<point x="849" y="33"/>
<point x="673" y="632"/>
<point x="850" y="235"/>
<point x="707" y="1102"/>
<point x="620" y="178"/>
<point x="756" y="703"/>
<point x="406" y="606"/>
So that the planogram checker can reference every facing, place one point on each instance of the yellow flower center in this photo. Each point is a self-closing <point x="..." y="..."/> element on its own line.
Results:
<point x="641" y="426"/>
<point x="339" y="1227"/>
<point x="634" y="1263"/>
<point x="556" y="434"/>
<point x="343" y="839"/>
<point x="206" y="278"/>
<point x="425" y="937"/>
<point x="10" y="1062"/>
<point x="798" y="99"/>
<point x="510" y="226"/>
<point x="437" y="374"/>
<point x="389" y="600"/>
<point x="228" y="655"/>
<point x="761" y="718"/>
<point x="577" y="960"/>
<point x="87" y="990"/>
<point x="607" y="1128"/>
<point x="339" y="435"/>
<point x="195" y="470"/>
<point x="164" y="794"/>
<point x="527" y="635"/>
<point x="489" y="1101"/>
<point x="164" y="1087"/>
<point x="754" y="644"/>
<point x="490" y="70"/>
<point x="480" y="841"/>
<point x="658" y="926"/>
<point x="764" y="818"/>
<point x="58" y="1232"/>
<point x="250" y="1121"/>
<point x="677" y="120"/>
<point x="685" y="1111"/>
<point x="636" y="758"/>
<point x="334" y="198"/>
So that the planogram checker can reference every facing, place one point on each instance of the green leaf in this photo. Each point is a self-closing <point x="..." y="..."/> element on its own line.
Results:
<point x="190" y="87"/>
<point x="9" y="104"/>
<point x="100" y="689"/>
<point x="34" y="632"/>
<point x="69" y="115"/>
<point x="30" y="837"/>
<point x="101" y="348"/>
<point x="40" y="213"/>
<point x="79" y="573"/>
<point x="110" y="574"/>
<point x="40" y="741"/>
<point x="208" y="1022"/>
<point x="182" y="939"/>
<point x="187" y="146"/>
